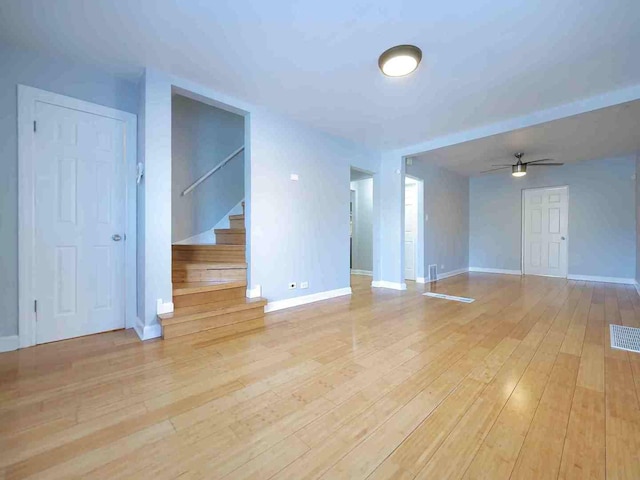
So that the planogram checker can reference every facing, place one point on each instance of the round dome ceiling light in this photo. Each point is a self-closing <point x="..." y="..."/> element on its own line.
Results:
<point x="400" y="60"/>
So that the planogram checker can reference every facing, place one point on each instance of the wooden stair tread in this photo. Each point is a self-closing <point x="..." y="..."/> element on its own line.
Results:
<point x="231" y="230"/>
<point x="210" y="246"/>
<point x="186" y="264"/>
<point x="199" y="287"/>
<point x="195" y="312"/>
<point x="236" y="217"/>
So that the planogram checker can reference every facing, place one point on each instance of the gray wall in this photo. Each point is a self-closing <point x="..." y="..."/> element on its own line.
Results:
<point x="55" y="75"/>
<point x="300" y="229"/>
<point x="363" y="228"/>
<point x="202" y="136"/>
<point x="446" y="202"/>
<point x="637" y="276"/>
<point x="602" y="225"/>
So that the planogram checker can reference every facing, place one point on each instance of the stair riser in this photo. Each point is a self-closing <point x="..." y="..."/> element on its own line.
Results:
<point x="208" y="297"/>
<point x="212" y="256"/>
<point x="231" y="238"/>
<point x="227" y="324"/>
<point x="204" y="275"/>
<point x="236" y="223"/>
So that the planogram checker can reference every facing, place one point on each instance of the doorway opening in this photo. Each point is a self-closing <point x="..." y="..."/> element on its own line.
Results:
<point x="545" y="227"/>
<point x="207" y="170"/>
<point x="414" y="229"/>
<point x="361" y="224"/>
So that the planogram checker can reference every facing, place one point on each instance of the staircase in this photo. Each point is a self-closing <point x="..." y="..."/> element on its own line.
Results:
<point x="209" y="287"/>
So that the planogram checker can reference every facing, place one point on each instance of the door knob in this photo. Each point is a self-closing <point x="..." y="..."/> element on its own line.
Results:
<point x="562" y="238"/>
<point x="116" y="237"/>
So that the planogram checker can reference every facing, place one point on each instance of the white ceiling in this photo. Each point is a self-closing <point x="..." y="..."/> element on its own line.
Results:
<point x="605" y="133"/>
<point x="484" y="60"/>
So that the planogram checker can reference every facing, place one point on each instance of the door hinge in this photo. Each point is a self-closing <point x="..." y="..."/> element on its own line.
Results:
<point x="35" y="128"/>
<point x="35" y="308"/>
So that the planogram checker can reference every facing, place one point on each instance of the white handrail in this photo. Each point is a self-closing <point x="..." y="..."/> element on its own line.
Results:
<point x="212" y="171"/>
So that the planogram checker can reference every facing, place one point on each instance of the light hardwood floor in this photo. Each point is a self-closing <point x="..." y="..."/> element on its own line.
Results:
<point x="383" y="384"/>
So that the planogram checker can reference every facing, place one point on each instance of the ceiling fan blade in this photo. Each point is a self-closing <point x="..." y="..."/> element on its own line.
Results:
<point x="503" y="165"/>
<point x="494" y="169"/>
<point x="547" y="164"/>
<point x="541" y="160"/>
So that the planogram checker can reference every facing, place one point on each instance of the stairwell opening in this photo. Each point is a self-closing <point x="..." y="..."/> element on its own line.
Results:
<point x="209" y="265"/>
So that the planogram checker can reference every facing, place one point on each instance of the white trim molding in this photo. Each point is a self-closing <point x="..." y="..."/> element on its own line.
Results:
<point x="391" y="285"/>
<point x="27" y="98"/>
<point x="495" y="270"/>
<point x="315" y="297"/>
<point x="163" y="307"/>
<point x="361" y="272"/>
<point x="637" y="285"/>
<point x="147" y="332"/>
<point x="9" y="343"/>
<point x="422" y="280"/>
<point x="595" y="278"/>
<point x="452" y="273"/>
<point x="254" y="292"/>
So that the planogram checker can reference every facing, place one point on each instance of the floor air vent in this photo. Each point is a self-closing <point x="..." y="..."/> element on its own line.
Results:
<point x="625" y="338"/>
<point x="450" y="297"/>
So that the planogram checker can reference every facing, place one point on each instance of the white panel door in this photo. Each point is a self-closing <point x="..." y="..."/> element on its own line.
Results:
<point x="80" y="218"/>
<point x="410" y="231"/>
<point x="546" y="223"/>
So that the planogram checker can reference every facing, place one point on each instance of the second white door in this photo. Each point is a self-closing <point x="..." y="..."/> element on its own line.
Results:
<point x="410" y="231"/>
<point x="546" y="224"/>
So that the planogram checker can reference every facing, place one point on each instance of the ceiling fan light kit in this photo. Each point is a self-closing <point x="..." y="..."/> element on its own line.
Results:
<point x="519" y="169"/>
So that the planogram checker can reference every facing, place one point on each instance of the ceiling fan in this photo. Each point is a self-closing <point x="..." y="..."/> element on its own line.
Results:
<point x="519" y="169"/>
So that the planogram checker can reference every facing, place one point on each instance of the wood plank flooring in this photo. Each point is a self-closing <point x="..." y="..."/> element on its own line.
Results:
<point x="521" y="383"/>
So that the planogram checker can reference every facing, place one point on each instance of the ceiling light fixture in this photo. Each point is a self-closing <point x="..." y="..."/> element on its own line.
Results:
<point x="400" y="60"/>
<point x="519" y="169"/>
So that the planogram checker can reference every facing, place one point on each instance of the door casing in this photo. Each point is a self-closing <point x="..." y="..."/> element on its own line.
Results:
<point x="27" y="98"/>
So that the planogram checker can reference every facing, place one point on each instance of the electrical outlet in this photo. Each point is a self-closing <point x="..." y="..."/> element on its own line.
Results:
<point x="294" y="177"/>
<point x="304" y="284"/>
<point x="292" y="285"/>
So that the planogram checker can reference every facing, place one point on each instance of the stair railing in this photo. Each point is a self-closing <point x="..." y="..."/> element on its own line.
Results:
<point x="213" y="170"/>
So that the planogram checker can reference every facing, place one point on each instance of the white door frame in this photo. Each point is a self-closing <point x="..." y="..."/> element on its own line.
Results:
<point x="353" y="195"/>
<point x="27" y="97"/>
<point x="522" y="232"/>
<point x="420" y="278"/>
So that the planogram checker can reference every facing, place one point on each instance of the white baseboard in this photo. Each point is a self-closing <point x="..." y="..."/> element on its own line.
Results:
<point x="391" y="285"/>
<point x="442" y="276"/>
<point x="452" y="273"/>
<point x="595" y="278"/>
<point x="315" y="297"/>
<point x="163" y="307"/>
<point x="9" y="343"/>
<point x="254" y="292"/>
<point x="495" y="270"/>
<point x="637" y="287"/>
<point x="147" y="332"/>
<point x="361" y="272"/>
